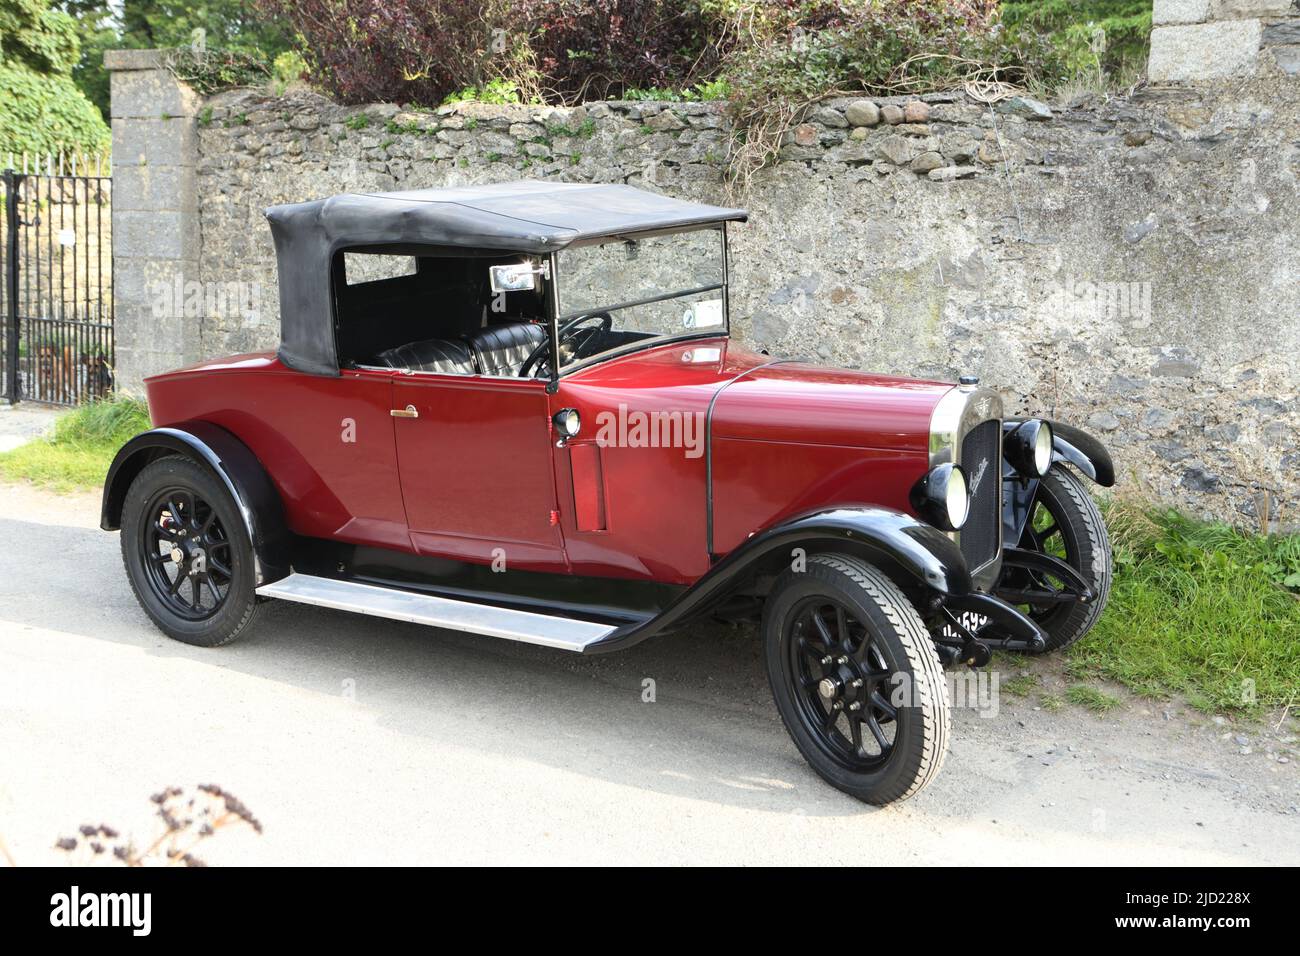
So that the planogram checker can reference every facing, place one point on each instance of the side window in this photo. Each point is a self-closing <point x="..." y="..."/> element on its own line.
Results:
<point x="432" y="313"/>
<point x="366" y="267"/>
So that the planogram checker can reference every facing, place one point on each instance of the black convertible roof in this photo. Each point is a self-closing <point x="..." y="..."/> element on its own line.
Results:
<point x="526" y="217"/>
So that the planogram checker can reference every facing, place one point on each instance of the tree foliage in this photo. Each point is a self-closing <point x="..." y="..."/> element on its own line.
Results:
<point x="600" y="49"/>
<point x="34" y="35"/>
<point x="229" y="26"/>
<point x="41" y="108"/>
<point x="422" y="51"/>
<point x="1087" y="36"/>
<point x="397" y="50"/>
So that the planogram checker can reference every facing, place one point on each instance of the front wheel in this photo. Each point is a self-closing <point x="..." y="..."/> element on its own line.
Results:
<point x="1066" y="523"/>
<point x="856" y="678"/>
<point x="187" y="553"/>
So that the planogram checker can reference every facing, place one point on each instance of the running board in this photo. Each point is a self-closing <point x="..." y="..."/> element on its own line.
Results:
<point x="526" y="626"/>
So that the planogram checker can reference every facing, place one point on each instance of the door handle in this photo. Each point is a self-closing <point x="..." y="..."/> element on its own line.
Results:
<point x="407" y="412"/>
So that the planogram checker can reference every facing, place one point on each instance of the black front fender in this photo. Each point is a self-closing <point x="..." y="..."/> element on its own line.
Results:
<point x="918" y="556"/>
<point x="1078" y="448"/>
<point x="233" y="464"/>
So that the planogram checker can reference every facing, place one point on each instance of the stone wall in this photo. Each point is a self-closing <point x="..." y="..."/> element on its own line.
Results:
<point x="155" y="212"/>
<point x="1130" y="265"/>
<point x="1208" y="39"/>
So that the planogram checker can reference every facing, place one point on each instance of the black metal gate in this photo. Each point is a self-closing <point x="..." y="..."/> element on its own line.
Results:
<point x="57" y="298"/>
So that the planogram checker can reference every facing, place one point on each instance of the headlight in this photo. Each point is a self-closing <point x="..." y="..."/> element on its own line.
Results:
<point x="956" y="498"/>
<point x="942" y="498"/>
<point x="1043" y="449"/>
<point x="567" y="422"/>
<point x="1028" y="447"/>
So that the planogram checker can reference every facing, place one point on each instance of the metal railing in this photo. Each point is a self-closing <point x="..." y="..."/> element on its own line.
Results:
<point x="56" y="299"/>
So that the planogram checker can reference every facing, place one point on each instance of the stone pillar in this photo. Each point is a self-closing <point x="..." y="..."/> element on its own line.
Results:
<point x="155" y="215"/>
<point x="1205" y="39"/>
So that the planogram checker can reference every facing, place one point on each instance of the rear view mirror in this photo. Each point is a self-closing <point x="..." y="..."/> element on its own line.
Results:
<point x="703" y="315"/>
<point x="516" y="277"/>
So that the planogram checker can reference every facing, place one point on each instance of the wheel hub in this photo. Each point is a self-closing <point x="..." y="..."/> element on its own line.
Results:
<point x="839" y="677"/>
<point x="188" y="558"/>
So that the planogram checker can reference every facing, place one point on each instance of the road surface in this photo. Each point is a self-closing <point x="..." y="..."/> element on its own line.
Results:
<point x="357" y="740"/>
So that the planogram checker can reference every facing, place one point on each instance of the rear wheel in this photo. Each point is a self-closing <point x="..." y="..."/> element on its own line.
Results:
<point x="856" y="678"/>
<point x="187" y="553"/>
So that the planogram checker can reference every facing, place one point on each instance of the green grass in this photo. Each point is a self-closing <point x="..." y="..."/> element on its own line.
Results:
<point x="77" y="455"/>
<point x="1202" y="610"/>
<point x="1090" y="697"/>
<point x="1019" y="686"/>
<point x="1051" y="701"/>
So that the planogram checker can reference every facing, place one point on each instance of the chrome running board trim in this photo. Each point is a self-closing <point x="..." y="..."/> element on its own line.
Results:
<point x="525" y="626"/>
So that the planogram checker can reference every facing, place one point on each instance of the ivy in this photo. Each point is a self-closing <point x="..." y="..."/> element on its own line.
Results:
<point x="210" y="71"/>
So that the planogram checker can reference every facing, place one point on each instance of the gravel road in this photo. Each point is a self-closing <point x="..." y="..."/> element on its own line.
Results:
<point x="357" y="740"/>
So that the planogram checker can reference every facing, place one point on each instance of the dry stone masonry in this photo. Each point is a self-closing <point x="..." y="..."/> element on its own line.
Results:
<point x="1127" y="264"/>
<point x="1208" y="39"/>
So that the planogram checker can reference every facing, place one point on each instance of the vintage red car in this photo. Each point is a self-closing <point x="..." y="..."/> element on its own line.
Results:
<point x="515" y="410"/>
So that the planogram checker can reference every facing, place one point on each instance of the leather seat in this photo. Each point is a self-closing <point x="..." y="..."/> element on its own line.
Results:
<point x="431" y="355"/>
<point x="502" y="349"/>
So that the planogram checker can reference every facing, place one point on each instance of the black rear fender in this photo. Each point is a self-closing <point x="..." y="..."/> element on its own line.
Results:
<point x="231" y="461"/>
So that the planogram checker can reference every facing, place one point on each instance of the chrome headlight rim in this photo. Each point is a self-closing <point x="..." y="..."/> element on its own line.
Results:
<point x="942" y="497"/>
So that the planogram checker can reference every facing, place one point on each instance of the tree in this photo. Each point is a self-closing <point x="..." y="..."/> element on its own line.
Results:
<point x="225" y="25"/>
<point x="159" y="24"/>
<point x="37" y="37"/>
<point x="97" y="31"/>
<point x="41" y="109"/>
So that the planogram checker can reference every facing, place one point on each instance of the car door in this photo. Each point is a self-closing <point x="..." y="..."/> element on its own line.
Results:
<point x="474" y="455"/>
<point x="326" y="441"/>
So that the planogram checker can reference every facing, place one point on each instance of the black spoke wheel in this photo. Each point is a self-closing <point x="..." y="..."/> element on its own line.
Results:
<point x="1064" y="523"/>
<point x="187" y="553"/>
<point x="842" y="683"/>
<point x="856" y="678"/>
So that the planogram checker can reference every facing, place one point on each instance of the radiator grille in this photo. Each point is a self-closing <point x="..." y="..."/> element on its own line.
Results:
<point x="980" y="456"/>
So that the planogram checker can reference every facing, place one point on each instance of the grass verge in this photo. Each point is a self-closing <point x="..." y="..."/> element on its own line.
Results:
<point x="1198" y="609"/>
<point x="77" y="455"/>
<point x="1092" y="698"/>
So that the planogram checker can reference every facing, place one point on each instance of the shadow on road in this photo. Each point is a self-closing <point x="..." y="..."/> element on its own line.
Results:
<point x="695" y="706"/>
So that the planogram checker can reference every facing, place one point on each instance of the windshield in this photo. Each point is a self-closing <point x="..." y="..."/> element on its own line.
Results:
<point x="624" y="292"/>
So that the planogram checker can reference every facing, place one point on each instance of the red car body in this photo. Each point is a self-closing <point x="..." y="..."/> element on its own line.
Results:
<point x="472" y="440"/>
<point x="587" y="508"/>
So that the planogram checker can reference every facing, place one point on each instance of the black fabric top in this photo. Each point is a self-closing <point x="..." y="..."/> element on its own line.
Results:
<point x="527" y="217"/>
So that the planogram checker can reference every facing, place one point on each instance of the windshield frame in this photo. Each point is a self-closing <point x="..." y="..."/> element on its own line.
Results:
<point x="556" y="299"/>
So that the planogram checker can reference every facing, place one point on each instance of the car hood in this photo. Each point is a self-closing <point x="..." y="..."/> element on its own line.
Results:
<point x="799" y="402"/>
<point x="752" y="396"/>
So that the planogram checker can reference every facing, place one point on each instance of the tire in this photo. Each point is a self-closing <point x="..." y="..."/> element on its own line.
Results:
<point x="178" y="504"/>
<point x="1084" y="544"/>
<point x="885" y="637"/>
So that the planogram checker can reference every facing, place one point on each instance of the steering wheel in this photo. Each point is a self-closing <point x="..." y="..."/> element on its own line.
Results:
<point x="569" y="330"/>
